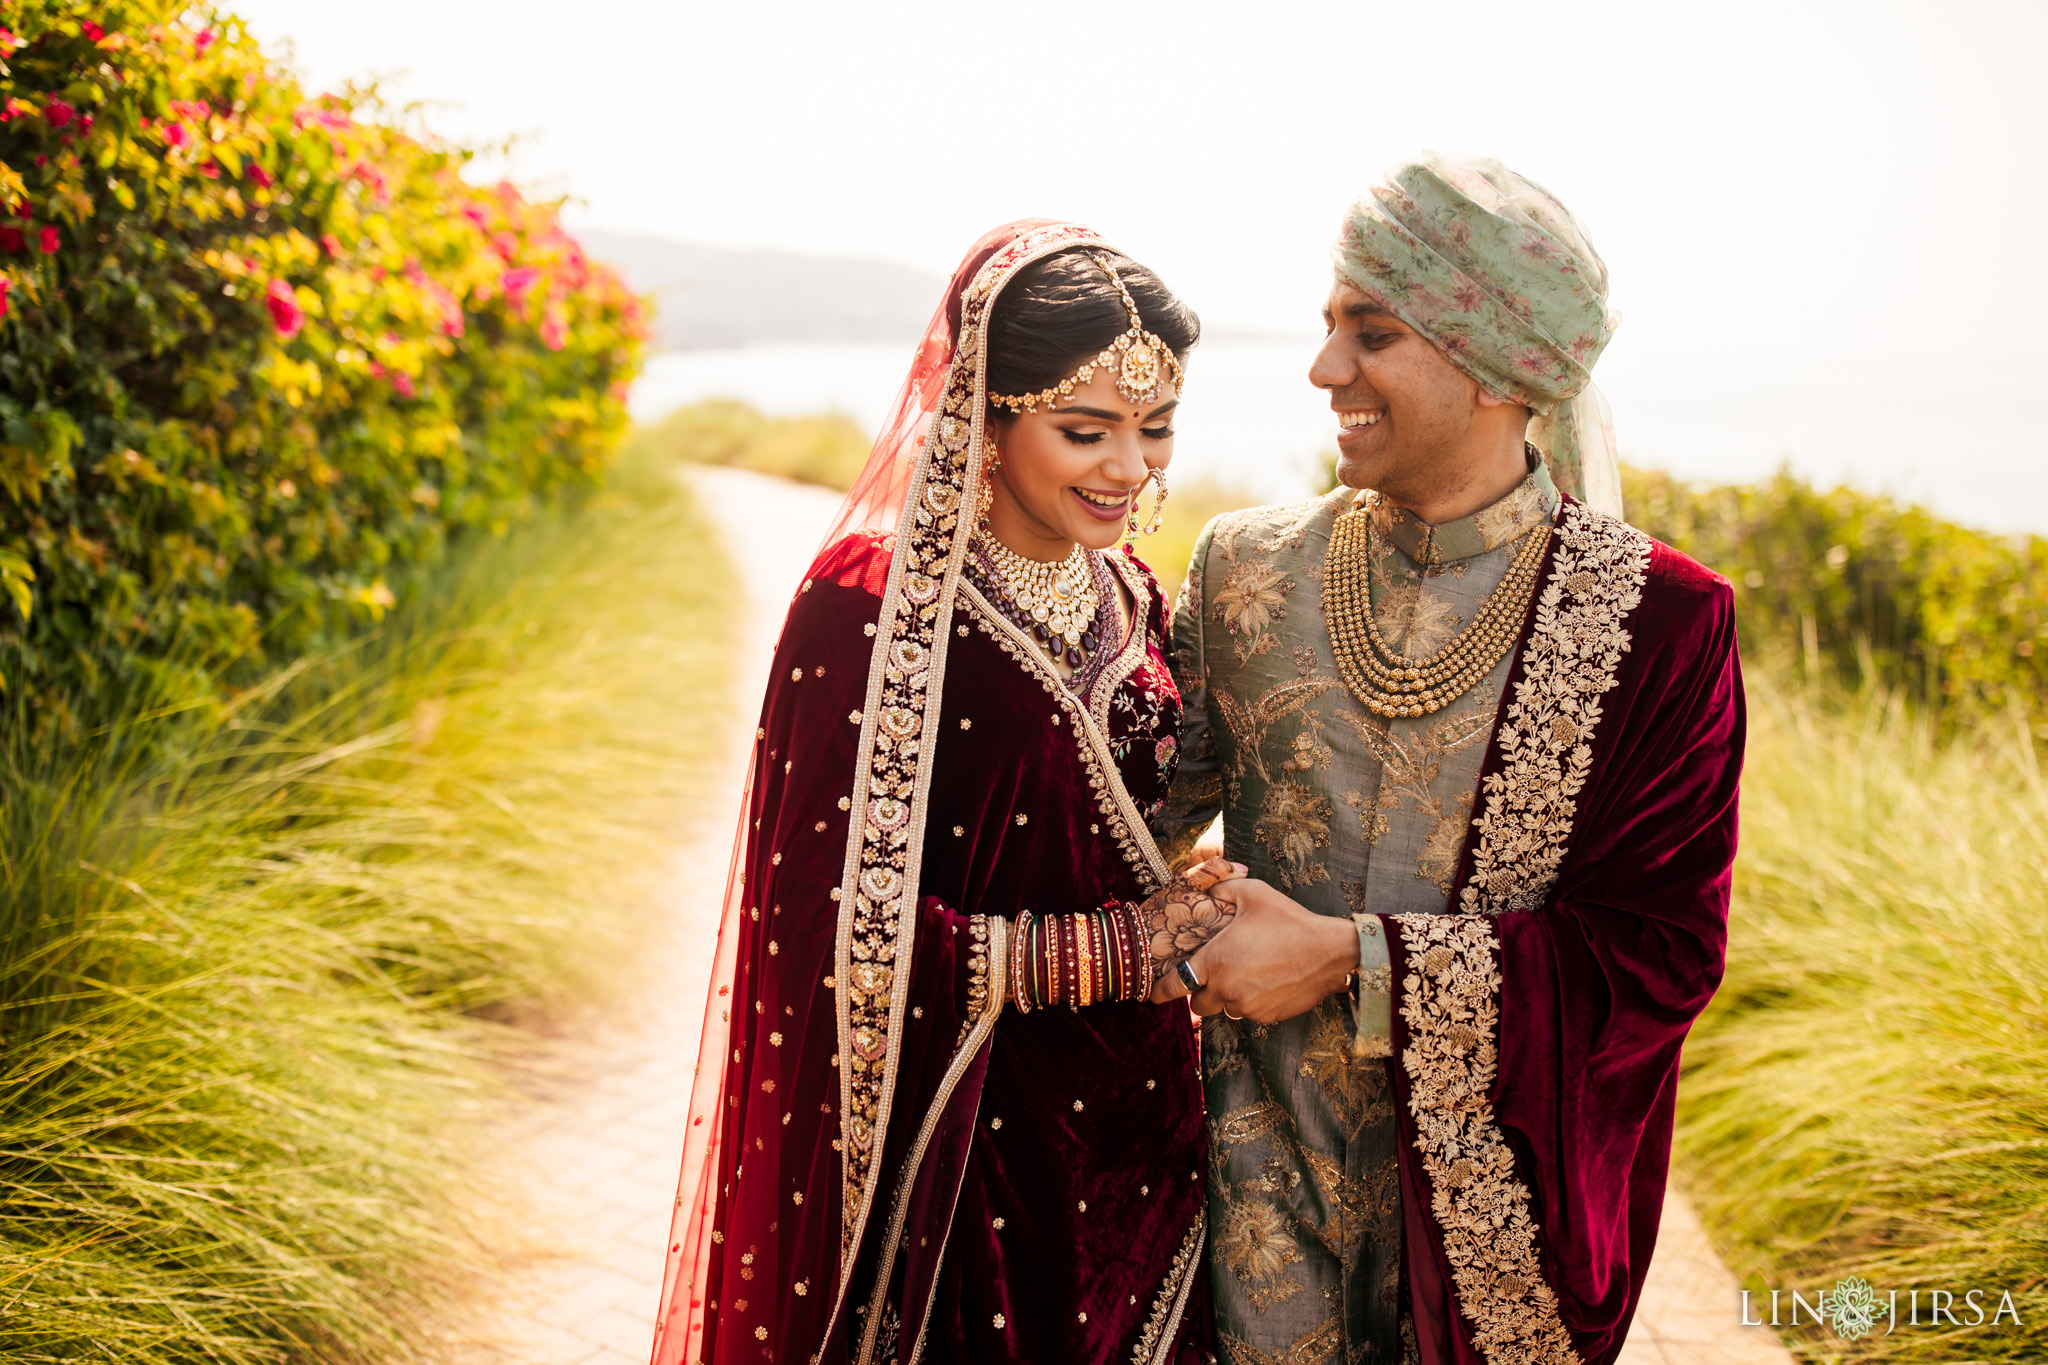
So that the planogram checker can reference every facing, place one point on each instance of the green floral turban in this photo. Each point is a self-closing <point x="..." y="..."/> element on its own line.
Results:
<point x="1502" y="279"/>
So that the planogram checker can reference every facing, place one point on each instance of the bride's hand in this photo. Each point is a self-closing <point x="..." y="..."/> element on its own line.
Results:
<point x="1184" y="915"/>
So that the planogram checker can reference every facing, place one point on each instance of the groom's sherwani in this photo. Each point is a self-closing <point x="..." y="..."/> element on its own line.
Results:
<point x="1463" y="1161"/>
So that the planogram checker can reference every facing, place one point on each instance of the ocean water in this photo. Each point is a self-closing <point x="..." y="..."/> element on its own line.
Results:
<point x="1964" y="436"/>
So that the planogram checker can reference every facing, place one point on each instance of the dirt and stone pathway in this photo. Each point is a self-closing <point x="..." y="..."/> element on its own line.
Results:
<point x="589" y="1167"/>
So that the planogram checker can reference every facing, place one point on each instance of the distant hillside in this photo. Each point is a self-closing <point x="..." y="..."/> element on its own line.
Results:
<point x="709" y="297"/>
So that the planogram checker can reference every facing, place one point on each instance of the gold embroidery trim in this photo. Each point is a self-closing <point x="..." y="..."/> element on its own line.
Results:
<point x="1155" y="1343"/>
<point x="970" y="1047"/>
<point x="1451" y="999"/>
<point x="1570" y="663"/>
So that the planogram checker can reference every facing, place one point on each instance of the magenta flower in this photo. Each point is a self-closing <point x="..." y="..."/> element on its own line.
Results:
<point x="285" y="313"/>
<point x="50" y="242"/>
<point x="5" y="285"/>
<point x="177" y="134"/>
<point x="57" y="113"/>
<point x="203" y="41"/>
<point x="261" y="176"/>
<point x="402" y="381"/>
<point x="331" y="245"/>
<point x="475" y="213"/>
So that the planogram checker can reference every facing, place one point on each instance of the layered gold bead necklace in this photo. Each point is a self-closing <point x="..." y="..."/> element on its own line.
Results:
<point x="1388" y="683"/>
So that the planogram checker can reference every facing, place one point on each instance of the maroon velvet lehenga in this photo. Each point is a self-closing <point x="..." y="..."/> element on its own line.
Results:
<point x="884" y="1162"/>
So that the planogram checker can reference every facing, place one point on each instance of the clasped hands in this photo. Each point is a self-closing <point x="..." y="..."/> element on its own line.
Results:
<point x="1279" y="960"/>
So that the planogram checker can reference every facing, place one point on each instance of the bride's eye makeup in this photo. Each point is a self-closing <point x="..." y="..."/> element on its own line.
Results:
<point x="1157" y="433"/>
<point x="1083" y="438"/>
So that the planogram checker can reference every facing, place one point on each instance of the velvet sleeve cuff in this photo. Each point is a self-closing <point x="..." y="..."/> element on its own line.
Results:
<point x="1372" y="992"/>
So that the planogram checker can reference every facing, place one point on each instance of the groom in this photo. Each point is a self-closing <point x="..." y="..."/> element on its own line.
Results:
<point x="1479" y="741"/>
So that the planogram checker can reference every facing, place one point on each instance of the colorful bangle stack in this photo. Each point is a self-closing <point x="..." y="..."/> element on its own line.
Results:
<point x="1077" y="960"/>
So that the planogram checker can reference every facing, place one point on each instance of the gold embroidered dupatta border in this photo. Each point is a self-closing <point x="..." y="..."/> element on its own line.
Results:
<point x="878" y="891"/>
<point x="970" y="1044"/>
<point x="1450" y="995"/>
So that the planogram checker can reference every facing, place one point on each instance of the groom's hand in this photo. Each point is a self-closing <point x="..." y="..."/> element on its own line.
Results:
<point x="1278" y="960"/>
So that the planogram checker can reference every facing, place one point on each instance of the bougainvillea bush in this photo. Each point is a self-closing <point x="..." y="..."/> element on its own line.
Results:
<point x="259" y="353"/>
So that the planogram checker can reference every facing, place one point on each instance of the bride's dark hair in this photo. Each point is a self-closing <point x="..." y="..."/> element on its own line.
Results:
<point x="1060" y="311"/>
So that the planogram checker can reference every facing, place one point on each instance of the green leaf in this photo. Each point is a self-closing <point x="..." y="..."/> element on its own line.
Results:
<point x="16" y="573"/>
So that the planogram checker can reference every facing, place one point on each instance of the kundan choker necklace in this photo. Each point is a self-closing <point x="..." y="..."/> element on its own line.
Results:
<point x="1060" y="600"/>
<point x="1391" y="684"/>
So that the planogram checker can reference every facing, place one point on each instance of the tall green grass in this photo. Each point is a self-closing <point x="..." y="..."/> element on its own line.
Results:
<point x="1868" y="1093"/>
<point x="251" y="993"/>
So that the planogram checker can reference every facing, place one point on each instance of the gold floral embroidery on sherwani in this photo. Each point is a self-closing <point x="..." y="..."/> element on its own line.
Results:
<point x="1343" y="809"/>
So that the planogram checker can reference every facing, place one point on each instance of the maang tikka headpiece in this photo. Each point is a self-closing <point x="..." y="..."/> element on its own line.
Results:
<point x="1141" y="360"/>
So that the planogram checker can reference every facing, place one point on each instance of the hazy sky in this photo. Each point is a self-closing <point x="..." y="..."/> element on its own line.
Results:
<point x="1855" y="191"/>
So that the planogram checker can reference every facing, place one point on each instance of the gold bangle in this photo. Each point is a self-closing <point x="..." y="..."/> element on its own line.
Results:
<point x="1020" y="934"/>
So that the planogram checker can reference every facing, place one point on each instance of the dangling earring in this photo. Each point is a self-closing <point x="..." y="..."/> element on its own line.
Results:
<point x="991" y="462"/>
<point x="1159" y="507"/>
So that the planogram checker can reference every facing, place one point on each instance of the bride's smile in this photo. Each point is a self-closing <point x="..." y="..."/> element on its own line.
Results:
<point x="1076" y="473"/>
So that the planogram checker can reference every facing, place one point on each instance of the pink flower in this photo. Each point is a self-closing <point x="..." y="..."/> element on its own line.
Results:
<point x="402" y="381"/>
<point x="505" y="244"/>
<point x="15" y="108"/>
<point x="176" y="134"/>
<point x="50" y="242"/>
<point x="11" y="239"/>
<point x="203" y="41"/>
<point x="374" y="178"/>
<point x="333" y="120"/>
<point x="285" y="313"/>
<point x="211" y="170"/>
<point x="8" y="42"/>
<point x="518" y="283"/>
<point x="475" y="213"/>
<point x="57" y="113"/>
<point x="92" y="30"/>
<point x="261" y="176"/>
<point x="451" y="311"/>
<point x="331" y="245"/>
<point x="554" y="329"/>
<point x="5" y="285"/>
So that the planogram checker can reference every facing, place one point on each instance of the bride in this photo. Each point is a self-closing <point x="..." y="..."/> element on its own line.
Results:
<point x="935" y="1118"/>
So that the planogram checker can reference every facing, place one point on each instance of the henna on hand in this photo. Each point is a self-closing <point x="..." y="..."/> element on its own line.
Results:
<point x="1185" y="914"/>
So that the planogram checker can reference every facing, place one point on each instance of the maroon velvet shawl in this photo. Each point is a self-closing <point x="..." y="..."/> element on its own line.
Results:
<point x="1040" y="1193"/>
<point x="1595" y="892"/>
